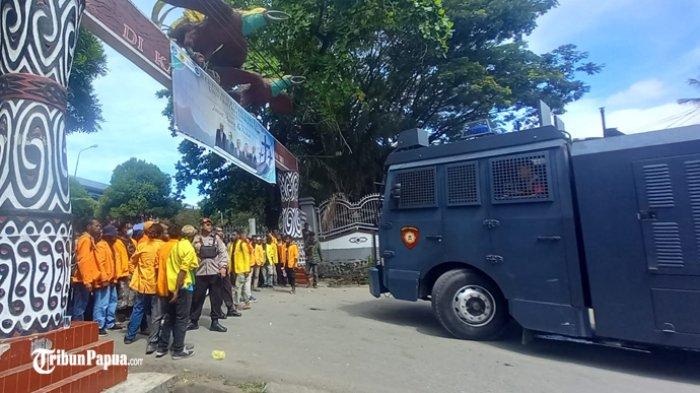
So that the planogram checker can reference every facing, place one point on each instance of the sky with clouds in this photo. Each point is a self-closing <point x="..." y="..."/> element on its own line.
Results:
<point x="650" y="48"/>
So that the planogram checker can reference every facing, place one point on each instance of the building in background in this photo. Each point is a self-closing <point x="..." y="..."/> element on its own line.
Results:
<point x="94" y="189"/>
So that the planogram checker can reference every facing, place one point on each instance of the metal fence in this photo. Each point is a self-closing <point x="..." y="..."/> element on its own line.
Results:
<point x="339" y="215"/>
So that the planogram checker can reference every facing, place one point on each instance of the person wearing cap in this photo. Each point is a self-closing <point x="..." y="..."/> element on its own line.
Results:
<point x="146" y="226"/>
<point x="105" y="306"/>
<point x="87" y="272"/>
<point x="213" y="266"/>
<point x="180" y="269"/>
<point x="144" y="264"/>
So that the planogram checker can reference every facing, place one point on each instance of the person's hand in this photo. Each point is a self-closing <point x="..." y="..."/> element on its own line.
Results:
<point x="222" y="272"/>
<point x="173" y="300"/>
<point x="88" y="287"/>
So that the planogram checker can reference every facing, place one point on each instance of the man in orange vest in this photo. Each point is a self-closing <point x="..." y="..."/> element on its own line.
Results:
<point x="159" y="304"/>
<point x="144" y="264"/>
<point x="105" y="306"/>
<point x="86" y="273"/>
<point x="292" y="262"/>
<point x="282" y="255"/>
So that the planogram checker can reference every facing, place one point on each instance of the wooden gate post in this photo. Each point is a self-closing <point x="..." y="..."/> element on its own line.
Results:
<point x="37" y="44"/>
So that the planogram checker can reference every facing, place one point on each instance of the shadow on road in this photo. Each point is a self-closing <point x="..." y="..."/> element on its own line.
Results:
<point x="672" y="365"/>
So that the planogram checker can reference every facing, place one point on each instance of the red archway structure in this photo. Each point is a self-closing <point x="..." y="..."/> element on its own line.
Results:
<point x="38" y="39"/>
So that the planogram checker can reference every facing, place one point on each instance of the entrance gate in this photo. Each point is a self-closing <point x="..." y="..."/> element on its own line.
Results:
<point x="37" y="44"/>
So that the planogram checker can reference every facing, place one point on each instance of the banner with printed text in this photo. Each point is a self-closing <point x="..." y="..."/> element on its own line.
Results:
<point x="208" y="116"/>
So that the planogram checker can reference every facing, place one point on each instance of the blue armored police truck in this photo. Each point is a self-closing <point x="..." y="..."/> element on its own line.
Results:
<point x="596" y="239"/>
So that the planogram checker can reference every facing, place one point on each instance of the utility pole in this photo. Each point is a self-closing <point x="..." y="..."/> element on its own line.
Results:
<point x="602" y="118"/>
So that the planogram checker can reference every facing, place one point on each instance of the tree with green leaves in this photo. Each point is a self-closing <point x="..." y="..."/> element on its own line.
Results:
<point x="138" y="190"/>
<point x="84" y="206"/>
<point x="84" y="112"/>
<point x="375" y="68"/>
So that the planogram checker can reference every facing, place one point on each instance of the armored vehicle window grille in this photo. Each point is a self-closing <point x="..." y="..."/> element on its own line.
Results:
<point x="657" y="181"/>
<point x="521" y="178"/>
<point x="417" y="188"/>
<point x="462" y="185"/>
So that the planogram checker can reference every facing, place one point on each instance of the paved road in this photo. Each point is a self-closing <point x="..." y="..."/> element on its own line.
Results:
<point x="343" y="340"/>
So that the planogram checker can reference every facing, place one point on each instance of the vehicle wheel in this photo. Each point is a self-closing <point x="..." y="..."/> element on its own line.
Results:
<point x="468" y="305"/>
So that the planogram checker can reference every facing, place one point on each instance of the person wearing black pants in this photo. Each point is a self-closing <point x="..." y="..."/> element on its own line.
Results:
<point x="212" y="284"/>
<point x="292" y="262"/>
<point x="213" y="266"/>
<point x="176" y="318"/>
<point x="180" y="268"/>
<point x="290" y="278"/>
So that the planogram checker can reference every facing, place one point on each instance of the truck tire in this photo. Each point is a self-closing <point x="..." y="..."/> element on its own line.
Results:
<point x="468" y="305"/>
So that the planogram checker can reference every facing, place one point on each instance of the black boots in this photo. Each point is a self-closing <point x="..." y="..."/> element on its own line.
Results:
<point x="217" y="327"/>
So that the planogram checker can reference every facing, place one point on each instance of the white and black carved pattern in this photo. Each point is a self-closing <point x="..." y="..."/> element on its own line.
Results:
<point x="33" y="167"/>
<point x="291" y="222"/>
<point x="39" y="37"/>
<point x="34" y="274"/>
<point x="289" y="186"/>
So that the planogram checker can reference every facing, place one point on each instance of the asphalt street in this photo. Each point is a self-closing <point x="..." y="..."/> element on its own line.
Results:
<point x="344" y="340"/>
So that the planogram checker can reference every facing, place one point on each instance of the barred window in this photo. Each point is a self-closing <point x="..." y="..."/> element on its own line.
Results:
<point x="463" y="185"/>
<point x="520" y="178"/>
<point x="417" y="188"/>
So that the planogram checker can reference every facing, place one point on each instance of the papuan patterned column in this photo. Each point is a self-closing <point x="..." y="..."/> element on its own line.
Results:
<point x="290" y="220"/>
<point x="37" y="43"/>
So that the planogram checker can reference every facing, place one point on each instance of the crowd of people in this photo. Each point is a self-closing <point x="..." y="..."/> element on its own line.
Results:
<point x="164" y="275"/>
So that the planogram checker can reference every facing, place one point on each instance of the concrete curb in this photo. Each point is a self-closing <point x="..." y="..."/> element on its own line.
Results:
<point x="143" y="383"/>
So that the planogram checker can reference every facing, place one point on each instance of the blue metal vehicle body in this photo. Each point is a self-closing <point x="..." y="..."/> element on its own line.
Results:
<point x="597" y="239"/>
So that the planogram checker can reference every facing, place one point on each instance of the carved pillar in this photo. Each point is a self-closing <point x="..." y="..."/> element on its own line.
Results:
<point x="290" y="220"/>
<point x="37" y="43"/>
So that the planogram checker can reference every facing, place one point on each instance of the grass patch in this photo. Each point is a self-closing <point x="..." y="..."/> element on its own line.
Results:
<point x="253" y="387"/>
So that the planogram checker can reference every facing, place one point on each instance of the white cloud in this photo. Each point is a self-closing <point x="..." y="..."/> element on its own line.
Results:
<point x="645" y="91"/>
<point x="583" y="118"/>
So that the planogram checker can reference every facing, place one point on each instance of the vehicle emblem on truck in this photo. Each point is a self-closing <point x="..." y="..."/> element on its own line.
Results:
<point x="409" y="237"/>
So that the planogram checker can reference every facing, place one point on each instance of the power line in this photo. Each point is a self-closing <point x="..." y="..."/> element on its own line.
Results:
<point x="680" y="122"/>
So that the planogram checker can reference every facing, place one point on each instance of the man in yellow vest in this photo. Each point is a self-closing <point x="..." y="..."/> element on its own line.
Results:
<point x="272" y="261"/>
<point x="241" y="264"/>
<point x="259" y="257"/>
<point x="181" y="266"/>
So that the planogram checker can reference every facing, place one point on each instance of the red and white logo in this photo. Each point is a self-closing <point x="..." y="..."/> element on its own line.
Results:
<point x="409" y="237"/>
